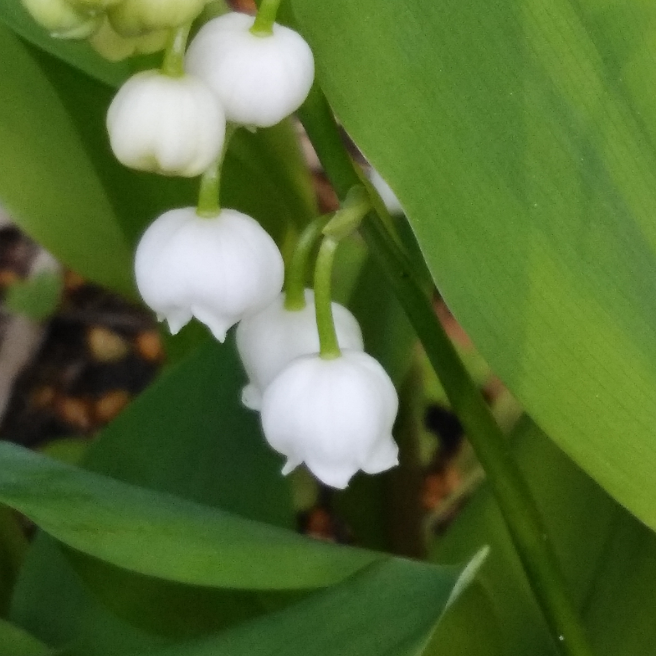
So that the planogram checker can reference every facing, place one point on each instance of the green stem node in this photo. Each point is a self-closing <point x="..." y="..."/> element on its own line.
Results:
<point x="348" y="218"/>
<point x="173" y="64"/>
<point x="329" y="348"/>
<point x="298" y="267"/>
<point x="210" y="183"/>
<point x="265" y="18"/>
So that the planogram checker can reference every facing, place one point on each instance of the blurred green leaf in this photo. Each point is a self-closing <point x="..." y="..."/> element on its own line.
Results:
<point x="16" y="642"/>
<point x="390" y="608"/>
<point x="47" y="182"/>
<point x="13" y="546"/>
<point x="519" y="138"/>
<point x="36" y="298"/>
<point x="76" y="53"/>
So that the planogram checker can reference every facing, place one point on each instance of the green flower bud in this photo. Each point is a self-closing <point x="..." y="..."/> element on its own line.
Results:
<point x="137" y="17"/>
<point x="94" y="5"/>
<point x="62" y="20"/>
<point x="112" y="46"/>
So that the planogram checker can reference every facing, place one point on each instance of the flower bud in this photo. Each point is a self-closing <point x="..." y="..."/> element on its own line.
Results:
<point x="137" y="17"/>
<point x="94" y="5"/>
<point x="216" y="269"/>
<point x="61" y="19"/>
<point x="259" y="79"/>
<point x="269" y="340"/>
<point x="334" y="415"/>
<point x="112" y="46"/>
<point x="168" y="125"/>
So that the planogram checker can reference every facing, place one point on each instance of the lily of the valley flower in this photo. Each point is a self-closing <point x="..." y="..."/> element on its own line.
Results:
<point x="269" y="340"/>
<point x="335" y="415"/>
<point x="137" y="17"/>
<point x="259" y="79"/>
<point x="164" y="124"/>
<point x="385" y="191"/>
<point x="108" y="43"/>
<point x="63" y="20"/>
<point x="217" y="269"/>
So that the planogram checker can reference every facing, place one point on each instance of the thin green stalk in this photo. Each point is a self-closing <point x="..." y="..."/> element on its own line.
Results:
<point x="266" y="17"/>
<point x="210" y="183"/>
<point x="323" y="272"/>
<point x="298" y="267"/>
<point x="512" y="493"/>
<point x="173" y="64"/>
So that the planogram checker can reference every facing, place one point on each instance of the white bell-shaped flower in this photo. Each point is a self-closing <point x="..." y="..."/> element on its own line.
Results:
<point x="137" y="17"/>
<point x="164" y="124"/>
<point x="335" y="415"/>
<point x="63" y="20"/>
<point x="217" y="269"/>
<point x="385" y="191"/>
<point x="270" y="339"/>
<point x="259" y="79"/>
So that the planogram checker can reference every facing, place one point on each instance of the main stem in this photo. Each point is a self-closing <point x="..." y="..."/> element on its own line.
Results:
<point x="511" y="490"/>
<point x="298" y="267"/>
<point x="173" y="64"/>
<point x="328" y="345"/>
<point x="210" y="183"/>
<point x="265" y="18"/>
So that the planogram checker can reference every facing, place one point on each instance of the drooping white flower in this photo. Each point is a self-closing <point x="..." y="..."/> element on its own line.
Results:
<point x="63" y="20"/>
<point x="137" y="17"/>
<point x="164" y="124"/>
<point x="259" y="79"/>
<point x="335" y="415"/>
<point x="216" y="269"/>
<point x="385" y="191"/>
<point x="270" y="339"/>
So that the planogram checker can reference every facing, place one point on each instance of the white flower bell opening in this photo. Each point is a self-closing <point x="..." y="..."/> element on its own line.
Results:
<point x="269" y="340"/>
<point x="216" y="269"/>
<point x="164" y="124"/>
<point x="259" y="80"/>
<point x="334" y="415"/>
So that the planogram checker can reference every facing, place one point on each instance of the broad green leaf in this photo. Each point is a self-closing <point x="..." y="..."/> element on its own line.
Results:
<point x="16" y="642"/>
<point x="390" y="608"/>
<point x="163" y="535"/>
<point x="519" y="139"/>
<point x="47" y="183"/>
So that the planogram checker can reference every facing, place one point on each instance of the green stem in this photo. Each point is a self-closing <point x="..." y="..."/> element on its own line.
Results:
<point x="266" y="17"/>
<point x="323" y="272"/>
<point x="210" y="183"/>
<point x="173" y="64"/>
<point x="298" y="267"/>
<point x="511" y="490"/>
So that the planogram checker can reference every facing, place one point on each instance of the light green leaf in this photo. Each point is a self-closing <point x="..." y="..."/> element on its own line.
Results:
<point x="519" y="139"/>
<point x="390" y="608"/>
<point x="162" y="535"/>
<point x="47" y="182"/>
<point x="16" y="642"/>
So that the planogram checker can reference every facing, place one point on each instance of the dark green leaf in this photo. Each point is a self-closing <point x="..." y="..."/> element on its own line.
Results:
<point x="16" y="642"/>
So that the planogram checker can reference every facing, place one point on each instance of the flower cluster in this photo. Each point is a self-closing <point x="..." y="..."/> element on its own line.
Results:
<point x="323" y="401"/>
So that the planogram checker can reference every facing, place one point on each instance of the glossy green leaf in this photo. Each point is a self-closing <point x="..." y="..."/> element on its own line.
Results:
<point x="162" y="535"/>
<point x="519" y="139"/>
<point x="47" y="182"/>
<point x="16" y="642"/>
<point x="390" y="608"/>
